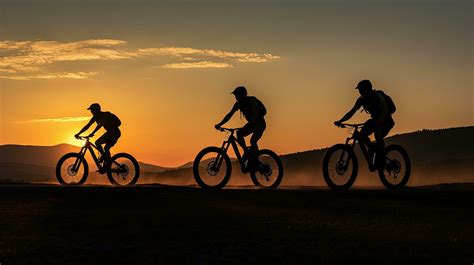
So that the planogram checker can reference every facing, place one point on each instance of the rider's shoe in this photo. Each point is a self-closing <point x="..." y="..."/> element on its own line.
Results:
<point x="103" y="169"/>
<point x="371" y="153"/>
<point x="252" y="166"/>
<point x="372" y="156"/>
<point x="378" y="163"/>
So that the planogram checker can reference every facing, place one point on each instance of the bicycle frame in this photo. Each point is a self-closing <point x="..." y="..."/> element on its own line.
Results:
<point x="365" y="150"/>
<point x="231" y="141"/>
<point x="88" y="146"/>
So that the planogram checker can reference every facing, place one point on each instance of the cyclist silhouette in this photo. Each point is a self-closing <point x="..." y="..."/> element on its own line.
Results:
<point x="380" y="108"/>
<point x="111" y="124"/>
<point x="254" y="112"/>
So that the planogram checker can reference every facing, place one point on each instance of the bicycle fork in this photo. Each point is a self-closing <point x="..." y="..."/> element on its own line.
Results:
<point x="341" y="158"/>
<point x="219" y="157"/>
<point x="78" y="161"/>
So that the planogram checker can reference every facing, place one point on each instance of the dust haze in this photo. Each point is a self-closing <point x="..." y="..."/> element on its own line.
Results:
<point x="437" y="157"/>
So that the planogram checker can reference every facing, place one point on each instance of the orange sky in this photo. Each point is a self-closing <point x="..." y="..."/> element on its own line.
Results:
<point x="168" y="73"/>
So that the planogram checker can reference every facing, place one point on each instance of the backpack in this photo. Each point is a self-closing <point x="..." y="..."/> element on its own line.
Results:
<point x="390" y="104"/>
<point x="113" y="120"/>
<point x="261" y="108"/>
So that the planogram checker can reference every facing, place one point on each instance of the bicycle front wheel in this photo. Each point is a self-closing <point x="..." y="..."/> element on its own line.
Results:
<point x="397" y="167"/>
<point x="72" y="169"/>
<point x="340" y="167"/>
<point x="123" y="170"/>
<point x="212" y="168"/>
<point x="270" y="170"/>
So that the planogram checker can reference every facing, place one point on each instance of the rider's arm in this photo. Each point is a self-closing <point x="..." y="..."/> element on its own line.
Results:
<point x="351" y="112"/>
<point x="383" y="109"/>
<point x="228" y="116"/>
<point x="87" y="126"/>
<point x="96" y="129"/>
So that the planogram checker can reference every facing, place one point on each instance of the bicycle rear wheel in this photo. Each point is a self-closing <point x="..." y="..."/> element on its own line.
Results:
<point x="270" y="170"/>
<point x="212" y="168"/>
<point x="340" y="167"/>
<point x="123" y="170"/>
<point x="72" y="169"/>
<point x="397" y="167"/>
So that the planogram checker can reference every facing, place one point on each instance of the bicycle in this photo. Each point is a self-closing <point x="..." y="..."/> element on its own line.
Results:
<point x="340" y="164"/>
<point x="73" y="169"/>
<point x="212" y="166"/>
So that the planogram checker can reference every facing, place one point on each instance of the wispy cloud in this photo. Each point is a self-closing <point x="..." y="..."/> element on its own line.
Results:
<point x="202" y="64"/>
<point x="25" y="60"/>
<point x="61" y="119"/>
<point x="188" y="52"/>
<point x="77" y="75"/>
<point x="31" y="55"/>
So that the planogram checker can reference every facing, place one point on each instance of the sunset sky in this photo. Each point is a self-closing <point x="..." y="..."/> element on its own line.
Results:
<point x="167" y="69"/>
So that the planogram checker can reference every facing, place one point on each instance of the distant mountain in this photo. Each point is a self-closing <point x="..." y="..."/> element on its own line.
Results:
<point x="34" y="155"/>
<point x="186" y="165"/>
<point x="26" y="163"/>
<point x="145" y="167"/>
<point x="438" y="156"/>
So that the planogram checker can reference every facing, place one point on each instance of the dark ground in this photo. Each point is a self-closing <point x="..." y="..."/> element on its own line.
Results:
<point x="156" y="224"/>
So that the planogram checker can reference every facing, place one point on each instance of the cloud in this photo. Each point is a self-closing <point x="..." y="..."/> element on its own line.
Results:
<point x="77" y="75"/>
<point x="62" y="119"/>
<point x="12" y="45"/>
<point x="176" y="51"/>
<point x="185" y="53"/>
<point x="202" y="64"/>
<point x="31" y="56"/>
<point x="26" y="60"/>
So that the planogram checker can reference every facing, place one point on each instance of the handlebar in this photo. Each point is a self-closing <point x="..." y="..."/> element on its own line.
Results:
<point x="357" y="125"/>
<point x="83" y="137"/>
<point x="222" y="129"/>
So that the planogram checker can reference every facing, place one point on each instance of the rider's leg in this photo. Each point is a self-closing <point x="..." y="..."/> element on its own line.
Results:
<point x="241" y="133"/>
<point x="254" y="151"/>
<point x="379" y="148"/>
<point x="366" y="131"/>
<point x="107" y="148"/>
<point x="99" y="142"/>
<point x="112" y="139"/>
<point x="379" y="134"/>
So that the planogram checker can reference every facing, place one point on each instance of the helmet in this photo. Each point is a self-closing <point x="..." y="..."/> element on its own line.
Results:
<point x="94" y="107"/>
<point x="240" y="91"/>
<point x="364" y="84"/>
